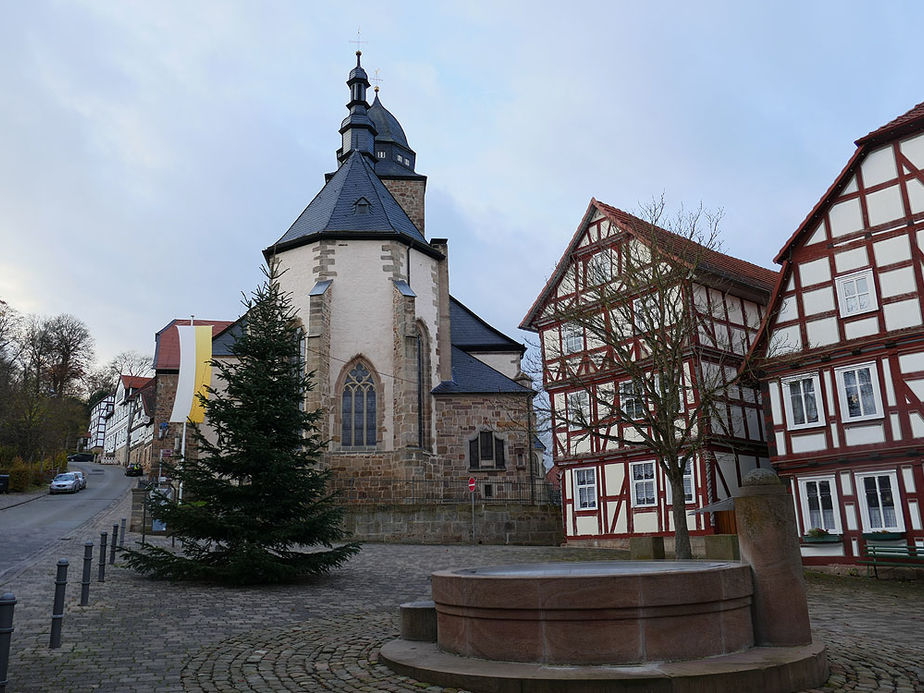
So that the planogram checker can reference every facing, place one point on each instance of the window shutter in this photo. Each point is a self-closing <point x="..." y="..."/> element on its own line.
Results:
<point x="499" y="458"/>
<point x="473" y="453"/>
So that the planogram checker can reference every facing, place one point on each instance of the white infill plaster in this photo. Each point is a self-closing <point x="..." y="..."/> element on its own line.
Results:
<point x="785" y="340"/>
<point x="879" y="166"/>
<point x="808" y="443"/>
<point x="884" y="205"/>
<point x="845" y="217"/>
<point x="915" y="195"/>
<point x="822" y="332"/>
<point x="864" y="435"/>
<point x="896" y="282"/>
<point x="818" y="301"/>
<point x="914" y="149"/>
<point x="819" y="235"/>
<point x="815" y="272"/>
<point x="902" y="314"/>
<point x="787" y="310"/>
<point x="851" y="259"/>
<point x="892" y="250"/>
<point x="911" y="363"/>
<point x="861" y="328"/>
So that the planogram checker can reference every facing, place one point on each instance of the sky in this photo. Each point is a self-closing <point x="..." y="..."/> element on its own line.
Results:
<point x="149" y="151"/>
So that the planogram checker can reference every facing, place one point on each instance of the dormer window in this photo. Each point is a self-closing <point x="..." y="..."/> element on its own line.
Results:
<point x="361" y="206"/>
<point x="380" y="154"/>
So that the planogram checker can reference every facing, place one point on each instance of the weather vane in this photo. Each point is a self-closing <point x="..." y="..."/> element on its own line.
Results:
<point x="358" y="40"/>
<point x="376" y="79"/>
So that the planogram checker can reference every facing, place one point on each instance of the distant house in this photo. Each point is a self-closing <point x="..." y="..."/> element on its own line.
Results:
<point x="99" y="417"/>
<point x="612" y="486"/>
<point x="844" y="346"/>
<point x="126" y="425"/>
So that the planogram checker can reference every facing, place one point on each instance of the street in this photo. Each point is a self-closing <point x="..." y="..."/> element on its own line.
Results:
<point x="34" y="525"/>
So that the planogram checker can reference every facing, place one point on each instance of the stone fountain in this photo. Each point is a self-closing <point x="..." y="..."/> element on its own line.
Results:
<point x="626" y="625"/>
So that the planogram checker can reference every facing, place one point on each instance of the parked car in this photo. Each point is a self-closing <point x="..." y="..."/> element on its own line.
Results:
<point x="80" y="457"/>
<point x="64" y="483"/>
<point x="82" y="479"/>
<point x="134" y="469"/>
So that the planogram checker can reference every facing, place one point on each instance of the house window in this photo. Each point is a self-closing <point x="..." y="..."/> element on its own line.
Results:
<point x="578" y="409"/>
<point x="630" y="401"/>
<point x="687" y="484"/>
<point x="572" y="339"/>
<point x="858" y="387"/>
<point x="646" y="313"/>
<point x="643" y="483"/>
<point x="358" y="428"/>
<point x="856" y="293"/>
<point x="877" y="493"/>
<point x="801" y="397"/>
<point x="585" y="482"/>
<point x="819" y="500"/>
<point x="486" y="451"/>
<point x="380" y="154"/>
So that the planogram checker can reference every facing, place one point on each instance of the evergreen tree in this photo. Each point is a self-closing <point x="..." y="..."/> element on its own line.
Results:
<point x="255" y="503"/>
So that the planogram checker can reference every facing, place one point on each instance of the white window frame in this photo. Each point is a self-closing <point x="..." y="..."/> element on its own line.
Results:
<point x="897" y="506"/>
<point x="585" y="484"/>
<point x="807" y="524"/>
<point x="572" y="339"/>
<point x="629" y="394"/>
<point x="844" y="284"/>
<point x="839" y="374"/>
<point x="638" y="305"/>
<point x="689" y="474"/>
<point x="578" y="399"/>
<point x="653" y="480"/>
<point x="787" y="401"/>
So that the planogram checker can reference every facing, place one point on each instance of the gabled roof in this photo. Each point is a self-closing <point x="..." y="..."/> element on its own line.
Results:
<point x="471" y="376"/>
<point x="334" y="212"/>
<point x="710" y="261"/>
<point x="135" y="382"/>
<point x="471" y="333"/>
<point x="908" y="122"/>
<point x="167" y="342"/>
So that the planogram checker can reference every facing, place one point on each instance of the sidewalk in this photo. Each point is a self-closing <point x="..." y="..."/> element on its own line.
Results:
<point x="8" y="500"/>
<point x="144" y="635"/>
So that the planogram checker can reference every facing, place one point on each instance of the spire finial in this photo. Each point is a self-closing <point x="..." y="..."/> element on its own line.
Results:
<point x="376" y="79"/>
<point x="359" y="44"/>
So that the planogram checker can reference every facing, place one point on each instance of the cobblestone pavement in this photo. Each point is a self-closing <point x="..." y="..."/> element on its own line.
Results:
<point x="324" y="635"/>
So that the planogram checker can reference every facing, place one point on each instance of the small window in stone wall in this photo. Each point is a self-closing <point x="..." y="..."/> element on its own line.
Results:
<point x="486" y="451"/>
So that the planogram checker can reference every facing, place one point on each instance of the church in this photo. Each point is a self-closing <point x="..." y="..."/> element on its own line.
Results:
<point x="420" y="395"/>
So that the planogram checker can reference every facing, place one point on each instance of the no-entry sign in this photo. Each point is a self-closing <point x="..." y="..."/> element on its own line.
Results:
<point x="471" y="484"/>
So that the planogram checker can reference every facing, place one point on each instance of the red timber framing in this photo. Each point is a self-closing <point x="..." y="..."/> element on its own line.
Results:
<point x="612" y="491"/>
<point x="843" y="350"/>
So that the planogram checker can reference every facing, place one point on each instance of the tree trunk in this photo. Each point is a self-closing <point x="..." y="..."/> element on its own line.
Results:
<point x="681" y="533"/>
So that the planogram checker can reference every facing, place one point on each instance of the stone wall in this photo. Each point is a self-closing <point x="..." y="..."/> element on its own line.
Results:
<point x="452" y="524"/>
<point x="410" y="195"/>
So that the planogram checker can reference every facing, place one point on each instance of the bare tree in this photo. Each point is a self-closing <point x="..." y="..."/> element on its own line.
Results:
<point x="131" y="363"/>
<point x="652" y="368"/>
<point x="70" y="352"/>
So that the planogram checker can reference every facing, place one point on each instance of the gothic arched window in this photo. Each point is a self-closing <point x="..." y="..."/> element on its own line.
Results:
<point x="357" y="414"/>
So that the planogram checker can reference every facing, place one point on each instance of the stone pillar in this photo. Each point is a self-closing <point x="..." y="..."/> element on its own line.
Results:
<point x="769" y="543"/>
<point x="443" y="336"/>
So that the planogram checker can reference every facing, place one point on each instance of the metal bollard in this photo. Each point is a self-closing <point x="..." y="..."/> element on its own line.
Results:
<point x="57" y="611"/>
<point x="102" y="557"/>
<point x="122" y="534"/>
<point x="7" y="602"/>
<point x="87" y="567"/>
<point x="112" y="545"/>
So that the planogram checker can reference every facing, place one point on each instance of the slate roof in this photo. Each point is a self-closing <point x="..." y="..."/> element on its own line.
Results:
<point x="708" y="260"/>
<point x="387" y="127"/>
<point x="223" y="340"/>
<point x="167" y="342"/>
<point x="471" y="376"/>
<point x="333" y="212"/>
<point x="471" y="333"/>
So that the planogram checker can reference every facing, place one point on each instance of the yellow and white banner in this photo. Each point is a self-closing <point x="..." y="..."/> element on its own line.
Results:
<point x="195" y="372"/>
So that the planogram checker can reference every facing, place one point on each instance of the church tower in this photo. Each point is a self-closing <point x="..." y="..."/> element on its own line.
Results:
<point x="416" y="390"/>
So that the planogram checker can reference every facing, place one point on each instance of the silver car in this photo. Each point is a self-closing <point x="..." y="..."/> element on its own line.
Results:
<point x="64" y="483"/>
<point x="82" y="479"/>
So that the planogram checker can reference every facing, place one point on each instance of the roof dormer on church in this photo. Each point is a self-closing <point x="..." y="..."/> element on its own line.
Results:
<point x="393" y="156"/>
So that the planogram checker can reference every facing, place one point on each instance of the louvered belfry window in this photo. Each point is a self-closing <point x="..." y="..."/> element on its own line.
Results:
<point x="358" y="409"/>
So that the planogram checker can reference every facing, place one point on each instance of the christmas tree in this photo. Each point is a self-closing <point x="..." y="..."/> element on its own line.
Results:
<point x="255" y="506"/>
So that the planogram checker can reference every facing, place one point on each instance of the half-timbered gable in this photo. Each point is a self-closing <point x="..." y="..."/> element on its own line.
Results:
<point x="844" y="370"/>
<point x="595" y="315"/>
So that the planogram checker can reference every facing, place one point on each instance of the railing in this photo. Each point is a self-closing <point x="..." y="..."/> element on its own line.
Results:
<point x="428" y="491"/>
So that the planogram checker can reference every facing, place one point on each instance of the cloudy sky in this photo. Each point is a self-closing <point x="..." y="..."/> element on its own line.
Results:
<point x="150" y="150"/>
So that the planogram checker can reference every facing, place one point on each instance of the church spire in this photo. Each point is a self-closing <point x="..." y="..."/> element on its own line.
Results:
<point x="357" y="130"/>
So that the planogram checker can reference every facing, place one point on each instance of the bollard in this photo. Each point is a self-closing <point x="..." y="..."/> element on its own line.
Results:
<point x="7" y="602"/>
<point x="87" y="567"/>
<point x="112" y="546"/>
<point x="102" y="557"/>
<point x="57" y="611"/>
<point x="122" y="534"/>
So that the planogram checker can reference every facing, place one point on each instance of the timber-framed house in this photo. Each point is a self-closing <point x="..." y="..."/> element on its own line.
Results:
<point x="844" y="353"/>
<point x="612" y="485"/>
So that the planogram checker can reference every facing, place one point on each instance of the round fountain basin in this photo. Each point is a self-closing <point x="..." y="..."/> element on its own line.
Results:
<point x="605" y="612"/>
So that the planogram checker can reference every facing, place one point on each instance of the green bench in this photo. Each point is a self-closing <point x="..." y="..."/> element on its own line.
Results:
<point x="906" y="556"/>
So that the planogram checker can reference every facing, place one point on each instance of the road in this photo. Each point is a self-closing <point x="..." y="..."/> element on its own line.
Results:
<point x="29" y="528"/>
